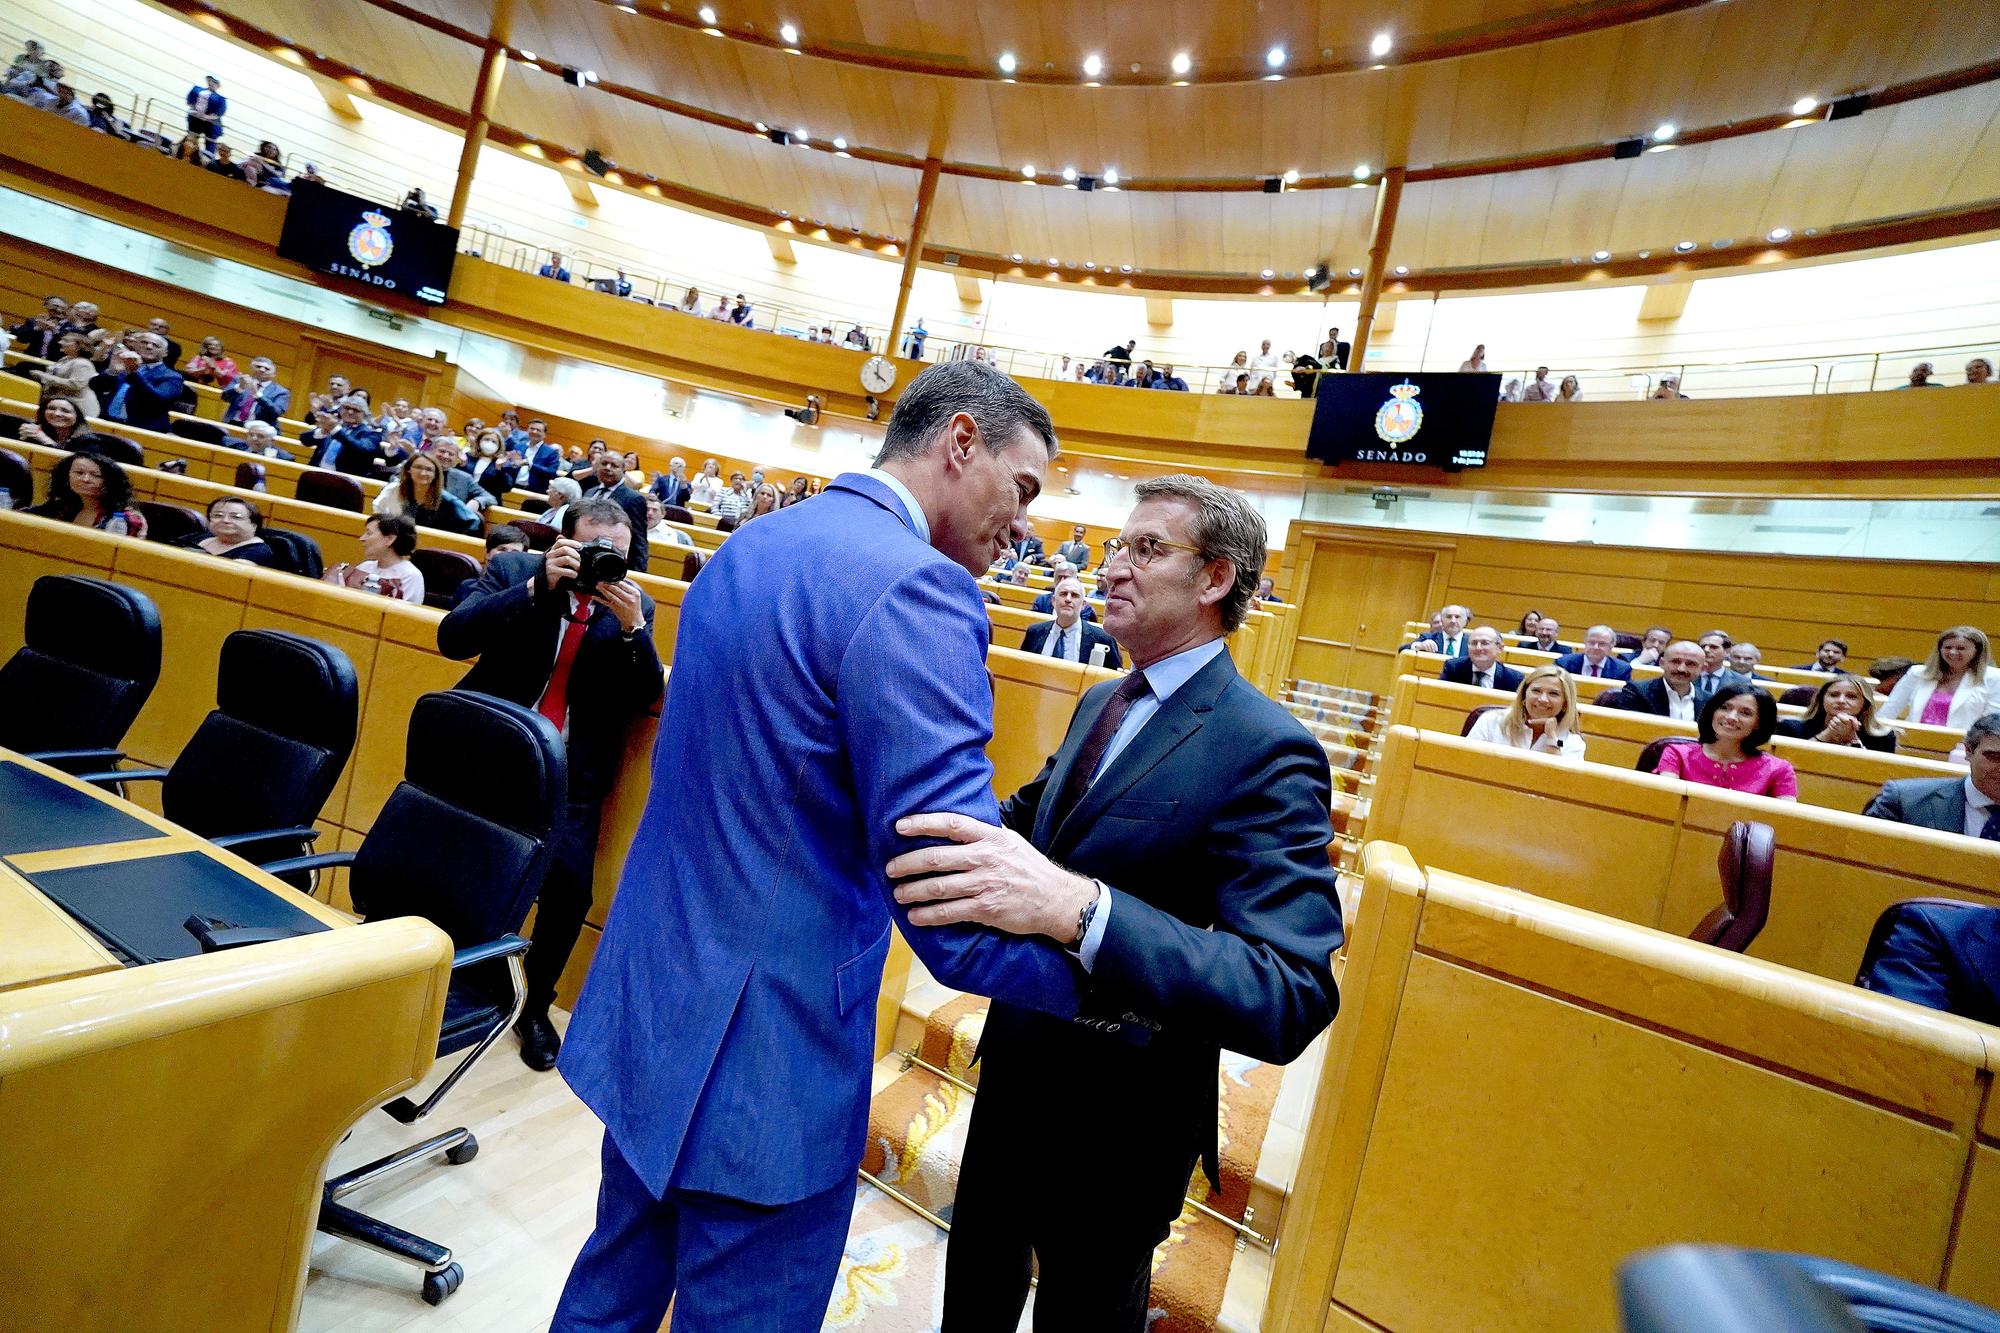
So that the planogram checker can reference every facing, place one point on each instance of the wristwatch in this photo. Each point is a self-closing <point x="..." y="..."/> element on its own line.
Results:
<point x="1085" y="915"/>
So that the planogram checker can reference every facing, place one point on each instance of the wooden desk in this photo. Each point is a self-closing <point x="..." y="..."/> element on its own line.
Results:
<point x="189" y="1102"/>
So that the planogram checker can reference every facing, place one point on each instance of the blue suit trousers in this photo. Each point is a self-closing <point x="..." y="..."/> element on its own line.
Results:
<point x="735" y="1267"/>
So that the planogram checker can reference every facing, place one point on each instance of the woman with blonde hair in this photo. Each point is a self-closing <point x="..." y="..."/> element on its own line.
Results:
<point x="764" y="501"/>
<point x="1958" y="684"/>
<point x="1543" y="717"/>
<point x="1843" y="712"/>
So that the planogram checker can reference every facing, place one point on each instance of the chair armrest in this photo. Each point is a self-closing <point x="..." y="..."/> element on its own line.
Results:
<point x="57" y="758"/>
<point x="506" y="946"/>
<point x="300" y="834"/>
<point x="319" y="861"/>
<point x="108" y="775"/>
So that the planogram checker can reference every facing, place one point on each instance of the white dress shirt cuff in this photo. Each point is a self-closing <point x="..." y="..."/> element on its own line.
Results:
<point x="1086" y="952"/>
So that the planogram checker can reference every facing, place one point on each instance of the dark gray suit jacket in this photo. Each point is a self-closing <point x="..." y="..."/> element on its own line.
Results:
<point x="1937" y="803"/>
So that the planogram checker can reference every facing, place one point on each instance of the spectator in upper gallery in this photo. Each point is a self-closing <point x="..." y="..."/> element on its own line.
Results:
<point x="1264" y="371"/>
<point x="1920" y="377"/>
<point x="1670" y="387"/>
<point x="421" y="493"/>
<point x="913" y="341"/>
<point x="414" y="202"/>
<point x="1832" y="652"/>
<point x="1121" y="353"/>
<point x="1673" y="694"/>
<point x="1715" y="645"/>
<point x="69" y="107"/>
<point x="211" y="365"/>
<point x="690" y="302"/>
<point x="1305" y="374"/>
<point x="1166" y="379"/>
<point x="1340" y="350"/>
<point x="855" y="337"/>
<point x="347" y="442"/>
<point x="1539" y="390"/>
<point x="91" y="491"/>
<point x="1543" y="717"/>
<point x="1979" y="371"/>
<point x="1734" y="726"/>
<point x="1511" y="393"/>
<point x="709" y="486"/>
<point x="1076" y="550"/>
<point x="1599" y="656"/>
<point x="69" y="372"/>
<point x="260" y="397"/>
<point x="1267" y="590"/>
<point x="1741" y="663"/>
<point x="385" y="568"/>
<point x="137" y="386"/>
<point x="825" y="333"/>
<point x="1240" y="386"/>
<point x="609" y="483"/>
<point x="28" y="69"/>
<point x="1143" y="375"/>
<point x="206" y="106"/>
<point x="235" y="532"/>
<point x="310" y="176"/>
<point x="1886" y="672"/>
<point x="261" y="438"/>
<point x="554" y="268"/>
<point x="740" y="314"/>
<point x="1654" y="642"/>
<point x="1235" y="373"/>
<point x="672" y="487"/>
<point x="1070" y="637"/>
<point x="59" y="423"/>
<point x="1968" y="805"/>
<point x="562" y="493"/>
<point x="1547" y="630"/>
<point x="1957" y="684"/>
<point x="1569" y="391"/>
<point x="1842" y="712"/>
<point x="269" y="161"/>
<point x="659" y="532"/>
<point x="192" y="149"/>
<point x="224" y="163"/>
<point x="1474" y="364"/>
<point x="1481" y="666"/>
<point x="1449" y="638"/>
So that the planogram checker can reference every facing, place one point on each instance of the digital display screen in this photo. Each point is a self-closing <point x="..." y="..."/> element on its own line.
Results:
<point x="346" y="236"/>
<point x="1419" y="419"/>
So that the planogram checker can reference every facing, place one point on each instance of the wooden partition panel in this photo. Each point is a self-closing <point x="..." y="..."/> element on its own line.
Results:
<point x="1520" y="1094"/>
<point x="1643" y="848"/>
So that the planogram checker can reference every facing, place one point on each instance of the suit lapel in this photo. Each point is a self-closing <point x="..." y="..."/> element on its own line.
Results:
<point x="1949" y="808"/>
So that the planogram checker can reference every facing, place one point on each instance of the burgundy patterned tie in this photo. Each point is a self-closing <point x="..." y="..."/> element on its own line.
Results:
<point x="1091" y="752"/>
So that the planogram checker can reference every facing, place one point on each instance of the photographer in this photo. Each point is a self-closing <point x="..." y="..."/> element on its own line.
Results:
<point x="567" y="634"/>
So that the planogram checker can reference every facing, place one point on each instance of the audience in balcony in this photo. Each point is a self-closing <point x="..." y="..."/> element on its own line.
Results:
<point x="235" y="528"/>
<point x="1734" y="726"/>
<point x="70" y="372"/>
<point x="691" y="302"/>
<point x="211" y="365"/>
<point x="1476" y="363"/>
<point x="206" y="107"/>
<point x="1670" y="387"/>
<point x="1920" y="377"/>
<point x="1958" y="683"/>
<point x="1843" y="712"/>
<point x="554" y="268"/>
<point x="1543" y="716"/>
<point x="260" y="397"/>
<point x="137" y="386"/>
<point x="1599" y="657"/>
<point x="1569" y="391"/>
<point x="59" y="422"/>
<point x="1539" y="390"/>
<point x="1979" y="371"/>
<point x="385" y="568"/>
<point x="1236" y="375"/>
<point x="1264" y="371"/>
<point x="1511" y="392"/>
<point x="90" y="491"/>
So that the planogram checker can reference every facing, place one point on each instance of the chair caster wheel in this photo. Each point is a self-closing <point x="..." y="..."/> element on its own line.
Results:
<point x="442" y="1283"/>
<point x="464" y="1152"/>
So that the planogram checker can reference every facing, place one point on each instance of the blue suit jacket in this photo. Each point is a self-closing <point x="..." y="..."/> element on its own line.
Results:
<point x="1942" y="957"/>
<point x="1614" y="667"/>
<point x="1459" y="672"/>
<point x="1934" y="803"/>
<point x="727" y="1031"/>
<point x="545" y="461"/>
<point x="1046" y="605"/>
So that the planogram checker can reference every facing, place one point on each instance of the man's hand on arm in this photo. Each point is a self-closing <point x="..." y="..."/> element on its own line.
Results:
<point x="622" y="598"/>
<point x="988" y="876"/>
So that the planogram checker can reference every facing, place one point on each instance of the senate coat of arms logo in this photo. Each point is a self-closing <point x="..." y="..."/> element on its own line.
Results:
<point x="370" y="242"/>
<point x="1398" y="420"/>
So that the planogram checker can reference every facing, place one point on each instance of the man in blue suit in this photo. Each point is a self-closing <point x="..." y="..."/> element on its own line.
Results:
<point x="1449" y="637"/>
<point x="554" y="268"/>
<point x="1599" y="656"/>
<point x="1481" y="665"/>
<point x="1943" y="958"/>
<point x="1968" y="805"/>
<point x="257" y="396"/>
<point x="726" y="1033"/>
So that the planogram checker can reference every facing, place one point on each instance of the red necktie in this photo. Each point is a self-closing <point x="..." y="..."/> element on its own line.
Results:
<point x="1091" y="752"/>
<point x="554" y="704"/>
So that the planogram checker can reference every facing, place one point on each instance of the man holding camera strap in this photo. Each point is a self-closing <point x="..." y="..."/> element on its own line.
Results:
<point x="567" y="634"/>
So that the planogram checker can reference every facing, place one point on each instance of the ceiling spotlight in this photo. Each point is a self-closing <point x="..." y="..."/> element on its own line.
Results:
<point x="1601" y="255"/>
<point x="1028" y="172"/>
<point x="1090" y="264"/>
<point x="1805" y="106"/>
<point x="1664" y="131"/>
<point x="528" y="56"/>
<point x="1291" y="177"/>
<point x="1275" y="57"/>
<point x="1402" y="270"/>
<point x="839" y="144"/>
<point x="1268" y="273"/>
<point x="1111" y="175"/>
<point x="762" y="128"/>
<point x="1181" y="63"/>
<point x="626" y="9"/>
<point x="1645" y="254"/>
<point x="1682" y="247"/>
<point x="1361" y="171"/>
<point x="1007" y="62"/>
<point x="1069" y="174"/>
<point x="1015" y="258"/>
<point x="801" y="136"/>
<point x="1663" y="148"/>
<point x="1722" y="244"/>
<point x="1354" y="273"/>
<point x="1778" y="234"/>
<point x="590" y="76"/>
<point x="1093" y="64"/>
<point x="788" y="34"/>
<point x="1124" y="268"/>
<point x="1381" y="45"/>
<point x="707" y="15"/>
<point x="1053" y="261"/>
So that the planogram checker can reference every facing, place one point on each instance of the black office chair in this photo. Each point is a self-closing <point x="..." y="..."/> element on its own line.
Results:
<point x="468" y="854"/>
<point x="171" y="524"/>
<point x="88" y="661"/>
<point x="443" y="572"/>
<point x="258" y="769"/>
<point x="1716" y="1289"/>
<point x="202" y="432"/>
<point x="16" y="479"/>
<point x="295" y="552"/>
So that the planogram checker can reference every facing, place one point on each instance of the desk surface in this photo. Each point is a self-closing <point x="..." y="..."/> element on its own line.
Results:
<point x="41" y="942"/>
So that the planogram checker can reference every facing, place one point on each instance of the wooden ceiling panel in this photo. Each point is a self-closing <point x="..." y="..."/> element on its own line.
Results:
<point x="1516" y="214"/>
<point x="1979" y="178"/>
<point x="1823" y="168"/>
<point x="1921" y="152"/>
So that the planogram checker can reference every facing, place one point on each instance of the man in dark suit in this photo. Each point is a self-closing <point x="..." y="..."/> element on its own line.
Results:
<point x="1675" y="693"/>
<point x="587" y="663"/>
<point x="1481" y="665"/>
<point x="1547" y="640"/>
<point x="1028" y="548"/>
<point x="1205" y="805"/>
<point x="1599" y="656"/>
<point x="1076" y="550"/>
<point x="1045" y="604"/>
<point x="609" y="471"/>
<point x="137" y="386"/>
<point x="1952" y="805"/>
<point x="1449" y="636"/>
<point x="672" y="487"/>
<point x="257" y="396"/>
<point x="1070" y="636"/>
<point x="349" y="443"/>
<point x="1338" y="361"/>
<point x="554" y="268"/>
<point x="458" y="478"/>
<point x="1942" y="958"/>
<point x="1832" y="652"/>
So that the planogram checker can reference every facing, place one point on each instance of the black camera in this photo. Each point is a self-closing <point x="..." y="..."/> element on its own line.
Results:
<point x="598" y="562"/>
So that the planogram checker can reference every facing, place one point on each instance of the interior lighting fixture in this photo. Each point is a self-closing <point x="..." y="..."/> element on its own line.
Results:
<point x="1007" y="62"/>
<point x="1054" y="262"/>
<point x="1124" y="268"/>
<point x="1361" y="172"/>
<point x="1663" y="148"/>
<point x="801" y="136"/>
<point x="1381" y="46"/>
<point x="528" y="56"/>
<point x="1682" y="247"/>
<point x="707" y="15"/>
<point x="1291" y="177"/>
<point x="1275" y="57"/>
<point x="1181" y="63"/>
<point x="1069" y="174"/>
<point x="1111" y="175"/>
<point x="626" y="9"/>
<point x="1601" y="255"/>
<point x="1090" y="264"/>
<point x="1015" y="258"/>
<point x="1402" y="270"/>
<point x="1778" y="235"/>
<point x="1664" y="131"/>
<point x="1028" y="172"/>
<point x="788" y="34"/>
<point x="1267" y="273"/>
<point x="1805" y="106"/>
<point x="1354" y="273"/>
<point x="1093" y="64"/>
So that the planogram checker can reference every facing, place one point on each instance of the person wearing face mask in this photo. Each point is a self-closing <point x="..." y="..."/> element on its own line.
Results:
<point x="1843" y="713"/>
<point x="487" y="468"/>
<point x="1734" y="726"/>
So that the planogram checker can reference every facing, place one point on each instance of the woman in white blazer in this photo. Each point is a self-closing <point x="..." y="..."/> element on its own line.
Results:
<point x="1961" y="670"/>
<point x="1543" y="717"/>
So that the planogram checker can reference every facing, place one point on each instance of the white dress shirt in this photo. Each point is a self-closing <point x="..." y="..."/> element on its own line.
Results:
<point x="1978" y="809"/>
<point x="1484" y="678"/>
<point x="1490" y="730"/>
<point x="1065" y="644"/>
<point x="1680" y="707"/>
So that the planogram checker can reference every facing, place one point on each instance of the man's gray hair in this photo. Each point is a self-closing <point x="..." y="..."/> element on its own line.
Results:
<point x="1225" y="528"/>
<point x="997" y="405"/>
<point x="1981" y="729"/>
<point x="567" y="488"/>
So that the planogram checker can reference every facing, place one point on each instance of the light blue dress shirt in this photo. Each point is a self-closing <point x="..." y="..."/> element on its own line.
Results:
<point x="918" y="520"/>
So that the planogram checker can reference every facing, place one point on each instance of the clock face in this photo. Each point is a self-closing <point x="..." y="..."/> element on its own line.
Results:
<point x="878" y="373"/>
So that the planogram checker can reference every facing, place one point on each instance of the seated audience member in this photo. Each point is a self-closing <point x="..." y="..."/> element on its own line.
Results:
<point x="1045" y="604"/>
<point x="1673" y="694"/>
<point x="1546" y="631"/>
<point x="224" y="163"/>
<point x="1920" y="377"/>
<point x="1741" y="663"/>
<point x="562" y="493"/>
<point x="1968" y="805"/>
<point x="414" y="202"/>
<point x="491" y="469"/>
<point x="659" y="532"/>
<point x="1979" y="371"/>
<point x="1267" y="590"/>
<point x="855" y="337"/>
<point x="234" y="532"/>
<point x="1734" y="725"/>
<point x="554" y="268"/>
<point x="1543" y="717"/>
<point x="585" y="472"/>
<point x="1651" y="645"/>
<point x="458" y="479"/>
<point x="1944" y="958"/>
<point x="1474" y="364"/>
<point x="269" y="164"/>
<point x="672" y="486"/>
<point x="1018" y="575"/>
<point x="420" y="494"/>
<point x="1539" y="390"/>
<point x="104" y="118"/>
<point x="1599" y="656"/>
<point x="1958" y="683"/>
<point x="741" y="313"/>
<point x="211" y="365"/>
<point x="800" y="489"/>
<point x="311" y="176"/>
<point x="734" y="502"/>
<point x="1842" y="712"/>
<point x="691" y="302"/>
<point x="1569" y="391"/>
<point x="91" y="491"/>
<point x="1481" y="665"/>
<point x="1715" y="646"/>
<point x="137" y="386"/>
<point x="261" y="438"/>
<point x="504" y="538"/>
<point x="1511" y="391"/>
<point x="1832" y="652"/>
<point x="260" y="397"/>
<point x="1070" y="637"/>
<point x="69" y="106"/>
<point x="763" y="500"/>
<point x="609" y="482"/>
<point x="385" y="568"/>
<point x="1524" y="633"/>
<point x="70" y="371"/>
<point x="59" y="424"/>
<point x="1449" y="637"/>
<point x="1166" y="379"/>
<point x="1670" y="388"/>
<point x="708" y="486"/>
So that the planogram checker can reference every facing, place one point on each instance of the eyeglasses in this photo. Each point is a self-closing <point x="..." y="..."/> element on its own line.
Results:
<point x="1144" y="550"/>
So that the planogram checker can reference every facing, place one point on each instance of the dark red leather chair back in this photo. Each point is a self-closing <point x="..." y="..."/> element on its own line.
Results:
<point x="335" y="490"/>
<point x="1799" y="696"/>
<point x="1744" y="864"/>
<point x="1472" y="717"/>
<point x="250" y="477"/>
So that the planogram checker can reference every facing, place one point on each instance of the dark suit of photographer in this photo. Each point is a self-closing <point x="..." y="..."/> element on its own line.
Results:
<point x="588" y="663"/>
